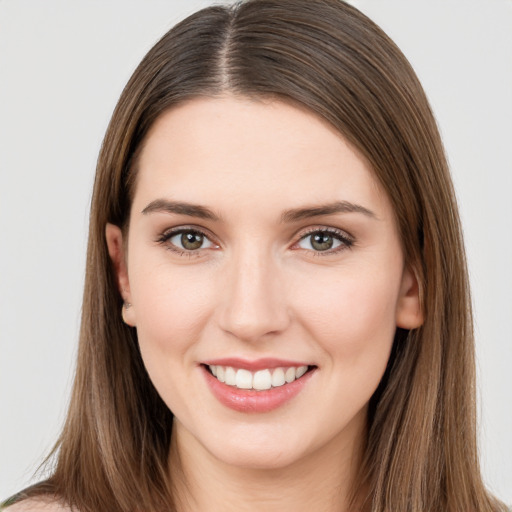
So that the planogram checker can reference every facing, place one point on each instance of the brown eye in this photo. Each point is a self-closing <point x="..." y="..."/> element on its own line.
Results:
<point x="189" y="240"/>
<point x="325" y="241"/>
<point x="322" y="241"/>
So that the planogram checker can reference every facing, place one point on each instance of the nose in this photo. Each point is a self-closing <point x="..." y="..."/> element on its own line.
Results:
<point x="254" y="305"/>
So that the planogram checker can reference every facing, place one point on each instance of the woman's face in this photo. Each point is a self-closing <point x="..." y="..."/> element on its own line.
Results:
<point x="260" y="246"/>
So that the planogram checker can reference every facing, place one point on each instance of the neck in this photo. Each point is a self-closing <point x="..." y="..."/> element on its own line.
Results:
<point x="323" y="480"/>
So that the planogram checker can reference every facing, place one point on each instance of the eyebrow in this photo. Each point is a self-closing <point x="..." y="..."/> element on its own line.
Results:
<point x="297" y="214"/>
<point x="288" y="216"/>
<point x="180" y="208"/>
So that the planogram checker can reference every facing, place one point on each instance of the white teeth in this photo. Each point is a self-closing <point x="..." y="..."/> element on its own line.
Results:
<point x="278" y="377"/>
<point x="230" y="376"/>
<point x="289" y="375"/>
<point x="301" y="370"/>
<point x="260" y="380"/>
<point x="243" y="379"/>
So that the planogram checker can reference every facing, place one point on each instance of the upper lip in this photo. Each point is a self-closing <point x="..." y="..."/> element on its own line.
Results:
<point x="254" y="365"/>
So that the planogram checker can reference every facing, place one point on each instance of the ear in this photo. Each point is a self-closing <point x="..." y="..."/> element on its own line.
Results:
<point x="116" y="250"/>
<point x="409" y="314"/>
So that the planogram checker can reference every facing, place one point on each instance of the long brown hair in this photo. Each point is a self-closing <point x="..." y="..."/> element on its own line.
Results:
<point x="325" y="55"/>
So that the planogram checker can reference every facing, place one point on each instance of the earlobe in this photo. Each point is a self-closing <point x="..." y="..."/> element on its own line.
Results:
<point x="409" y="314"/>
<point x="116" y="250"/>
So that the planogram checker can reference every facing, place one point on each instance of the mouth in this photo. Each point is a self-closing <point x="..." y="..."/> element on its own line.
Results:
<point x="261" y="380"/>
<point x="258" y="386"/>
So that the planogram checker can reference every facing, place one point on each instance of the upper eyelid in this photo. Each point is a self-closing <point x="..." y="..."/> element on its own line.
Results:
<point x="301" y="232"/>
<point x="343" y="234"/>
<point x="168" y="233"/>
<point x="328" y="229"/>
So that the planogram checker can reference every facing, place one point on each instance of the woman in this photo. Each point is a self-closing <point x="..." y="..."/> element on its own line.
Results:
<point x="275" y="257"/>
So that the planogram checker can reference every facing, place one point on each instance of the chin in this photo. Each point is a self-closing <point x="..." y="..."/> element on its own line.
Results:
<point x="258" y="457"/>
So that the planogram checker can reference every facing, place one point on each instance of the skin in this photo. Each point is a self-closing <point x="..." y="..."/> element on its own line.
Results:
<point x="258" y="287"/>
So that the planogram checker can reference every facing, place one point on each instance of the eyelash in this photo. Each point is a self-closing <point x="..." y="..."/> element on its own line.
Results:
<point x="167" y="235"/>
<point x="346" y="241"/>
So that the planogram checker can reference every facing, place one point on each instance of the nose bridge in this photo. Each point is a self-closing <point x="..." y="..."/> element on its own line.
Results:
<point x="255" y="299"/>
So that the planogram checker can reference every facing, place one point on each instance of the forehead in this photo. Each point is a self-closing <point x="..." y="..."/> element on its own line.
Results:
<point x="265" y="153"/>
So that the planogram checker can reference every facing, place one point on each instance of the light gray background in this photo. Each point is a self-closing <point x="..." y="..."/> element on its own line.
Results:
<point x="62" y="67"/>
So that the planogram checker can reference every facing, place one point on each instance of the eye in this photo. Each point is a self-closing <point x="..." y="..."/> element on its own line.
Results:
<point x="325" y="240"/>
<point x="186" y="240"/>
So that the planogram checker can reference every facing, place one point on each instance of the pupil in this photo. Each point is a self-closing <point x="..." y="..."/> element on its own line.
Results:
<point x="191" y="241"/>
<point x="322" y="241"/>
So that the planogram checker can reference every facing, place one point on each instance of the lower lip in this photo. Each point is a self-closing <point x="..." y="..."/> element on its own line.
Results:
<point x="250" y="400"/>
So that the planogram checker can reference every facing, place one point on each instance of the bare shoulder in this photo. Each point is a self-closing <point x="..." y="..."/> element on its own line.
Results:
<point x="37" y="505"/>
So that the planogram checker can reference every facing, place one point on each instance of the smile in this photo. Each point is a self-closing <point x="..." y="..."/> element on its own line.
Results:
<point x="260" y="380"/>
<point x="256" y="386"/>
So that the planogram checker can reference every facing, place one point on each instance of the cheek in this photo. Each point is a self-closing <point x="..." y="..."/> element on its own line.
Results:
<point x="352" y="315"/>
<point x="172" y="307"/>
